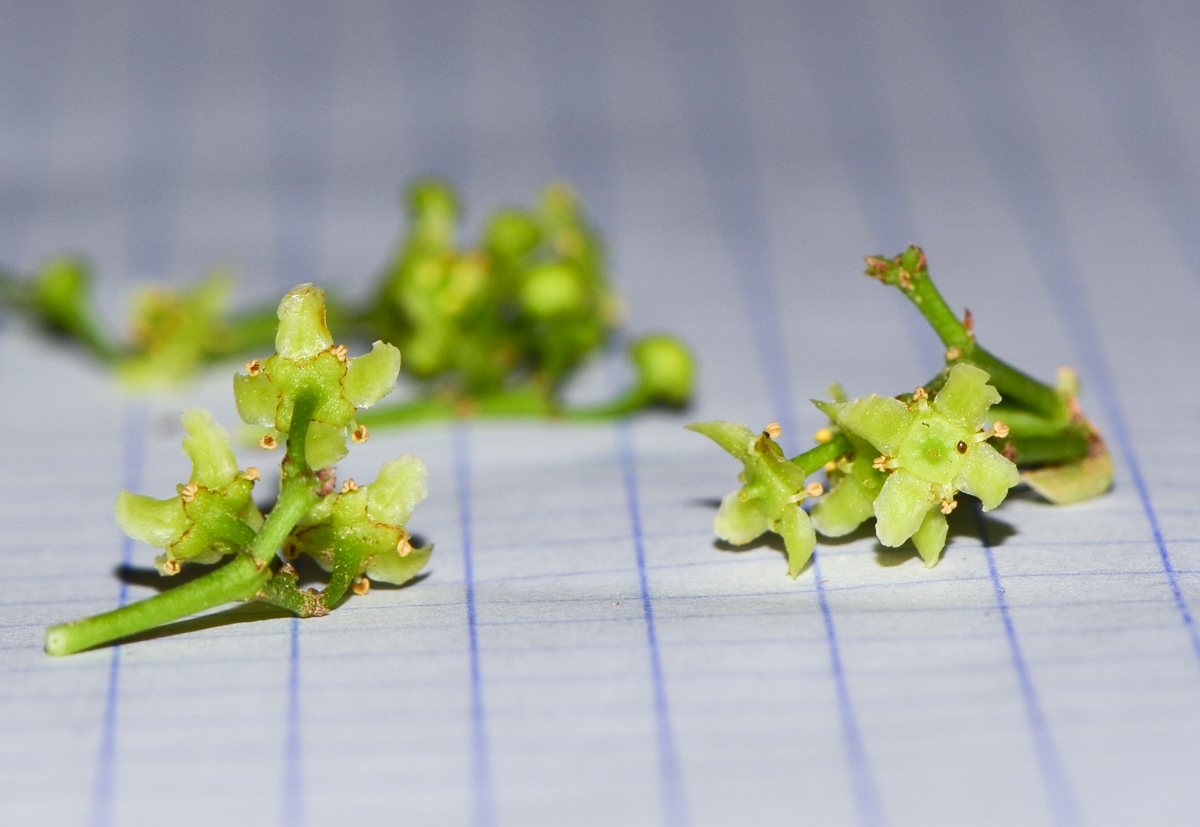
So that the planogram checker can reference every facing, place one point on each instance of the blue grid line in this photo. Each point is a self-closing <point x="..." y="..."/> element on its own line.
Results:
<point x="292" y="806"/>
<point x="674" y="801"/>
<point x="975" y="47"/>
<point x="1060" y="793"/>
<point x="104" y="790"/>
<point x="483" y="813"/>
<point x="721" y="136"/>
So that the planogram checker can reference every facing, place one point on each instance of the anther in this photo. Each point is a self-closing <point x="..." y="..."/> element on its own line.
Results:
<point x="823" y="435"/>
<point x="339" y="351"/>
<point x="919" y="395"/>
<point x="171" y="566"/>
<point x="254" y="367"/>
<point x="773" y="430"/>
<point x="953" y="353"/>
<point x="360" y="434"/>
<point x="189" y="492"/>
<point x="250" y="473"/>
<point x="880" y="463"/>
<point x="404" y="547"/>
<point x="830" y="466"/>
<point x="949" y="505"/>
<point x="289" y="551"/>
<point x="814" y="489"/>
<point x="360" y="585"/>
<point x="1000" y="429"/>
<point x="268" y="442"/>
<point x="349" y="485"/>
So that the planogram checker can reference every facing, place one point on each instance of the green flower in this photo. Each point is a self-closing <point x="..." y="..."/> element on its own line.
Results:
<point x="306" y="360"/>
<point x="666" y="369"/>
<point x="211" y="516"/>
<point x="360" y="531"/>
<point x="931" y="450"/>
<point x="769" y="499"/>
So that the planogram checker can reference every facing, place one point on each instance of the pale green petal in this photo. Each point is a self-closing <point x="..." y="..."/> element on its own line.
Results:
<point x="371" y="377"/>
<point x="930" y="538"/>
<point x="324" y="445"/>
<point x="257" y="399"/>
<point x="966" y="397"/>
<point x="901" y="506"/>
<point x="987" y="475"/>
<point x="739" y="522"/>
<point x="207" y="446"/>
<point x="881" y="421"/>
<point x="397" y="490"/>
<point x="798" y="536"/>
<point x="157" y="523"/>
<point x="390" y="567"/>
<point x="732" y="436"/>
<point x="844" y="508"/>
<point x="302" y="329"/>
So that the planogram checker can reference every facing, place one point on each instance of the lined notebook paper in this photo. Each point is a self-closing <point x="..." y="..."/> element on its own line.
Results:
<point x="581" y="650"/>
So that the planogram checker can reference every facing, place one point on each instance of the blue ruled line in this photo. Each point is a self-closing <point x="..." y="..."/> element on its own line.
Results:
<point x="103" y="793"/>
<point x="721" y="132"/>
<point x="674" y="802"/>
<point x="483" y="800"/>
<point x="975" y="47"/>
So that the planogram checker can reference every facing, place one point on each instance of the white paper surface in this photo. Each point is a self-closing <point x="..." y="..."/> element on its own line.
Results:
<point x="581" y="651"/>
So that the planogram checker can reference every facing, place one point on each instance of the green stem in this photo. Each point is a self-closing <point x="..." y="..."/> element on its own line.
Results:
<point x="241" y="579"/>
<point x="1010" y="381"/>
<point x="814" y="459"/>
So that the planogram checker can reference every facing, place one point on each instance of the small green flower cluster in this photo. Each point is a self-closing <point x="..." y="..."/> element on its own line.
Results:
<point x="308" y="393"/>
<point x="496" y="329"/>
<point x="904" y="460"/>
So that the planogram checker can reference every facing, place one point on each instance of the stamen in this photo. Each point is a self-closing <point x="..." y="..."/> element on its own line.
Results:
<point x="880" y="463"/>
<point x="1000" y="429"/>
<point x="268" y="442"/>
<point x="250" y="473"/>
<point x="919" y="395"/>
<point x="773" y="430"/>
<point x="349" y="485"/>
<point x="831" y="466"/>
<point x="949" y="505"/>
<point x="823" y="435"/>
<point x="360" y="585"/>
<point x="189" y="492"/>
<point x="953" y="353"/>
<point x="171" y="566"/>
<point x="360" y="434"/>
<point x="254" y="367"/>
<point x="339" y="351"/>
<point x="404" y="547"/>
<point x="814" y="489"/>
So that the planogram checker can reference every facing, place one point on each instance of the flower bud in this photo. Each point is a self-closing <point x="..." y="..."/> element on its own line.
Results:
<point x="666" y="369"/>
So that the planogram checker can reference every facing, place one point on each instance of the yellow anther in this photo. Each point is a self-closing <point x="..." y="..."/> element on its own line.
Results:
<point x="339" y="351"/>
<point x="773" y="430"/>
<point x="289" y="551"/>
<point x="949" y="505"/>
<point x="254" y="367"/>
<point x="814" y="489"/>
<point x="830" y="466"/>
<point x="250" y="473"/>
<point x="189" y="492"/>
<point x="171" y="566"/>
<point x="823" y="435"/>
<point x="1000" y="429"/>
<point x="404" y="547"/>
<point x="268" y="442"/>
<point x="349" y="485"/>
<point x="360" y="585"/>
<point x="880" y="463"/>
<point x="953" y="353"/>
<point x="360" y="434"/>
<point x="919" y="395"/>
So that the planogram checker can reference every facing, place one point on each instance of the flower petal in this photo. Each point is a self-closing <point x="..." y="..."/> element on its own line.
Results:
<point x="207" y="446"/>
<point x="302" y="329"/>
<point x="987" y="475"/>
<point x="881" y="421"/>
<point x="930" y="538"/>
<point x="966" y="396"/>
<point x="371" y="377"/>
<point x="738" y="521"/>
<point x="397" y="490"/>
<point x="901" y="507"/>
<point x="798" y="536"/>
<point x="732" y="436"/>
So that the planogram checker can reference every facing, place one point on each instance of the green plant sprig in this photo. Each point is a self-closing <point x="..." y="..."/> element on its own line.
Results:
<point x="979" y="426"/>
<point x="310" y="390"/>
<point x="497" y="329"/>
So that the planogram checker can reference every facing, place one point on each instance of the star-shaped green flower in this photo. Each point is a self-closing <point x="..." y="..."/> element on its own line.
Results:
<point x="211" y="516"/>
<point x="360" y="531"/>
<point x="306" y="360"/>
<point x="932" y="450"/>
<point x="769" y="499"/>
